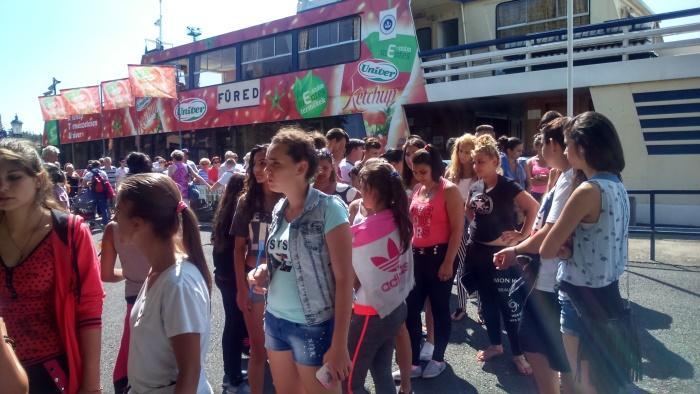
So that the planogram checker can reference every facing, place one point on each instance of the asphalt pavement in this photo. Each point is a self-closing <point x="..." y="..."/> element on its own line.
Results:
<point x="664" y="295"/>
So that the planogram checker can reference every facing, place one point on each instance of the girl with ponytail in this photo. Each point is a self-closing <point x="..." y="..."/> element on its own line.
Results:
<point x="438" y="223"/>
<point x="383" y="263"/>
<point x="170" y="320"/>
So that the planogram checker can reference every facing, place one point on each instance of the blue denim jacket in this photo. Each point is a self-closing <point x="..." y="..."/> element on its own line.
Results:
<point x="309" y="255"/>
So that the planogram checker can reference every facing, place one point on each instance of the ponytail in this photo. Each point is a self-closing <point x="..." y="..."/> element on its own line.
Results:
<point x="431" y="157"/>
<point x="192" y="244"/>
<point x="385" y="181"/>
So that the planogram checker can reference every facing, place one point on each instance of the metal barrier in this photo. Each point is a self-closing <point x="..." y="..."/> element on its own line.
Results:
<point x="652" y="229"/>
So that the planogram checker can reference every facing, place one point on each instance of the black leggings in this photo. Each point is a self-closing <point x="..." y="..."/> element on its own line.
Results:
<point x="493" y="286"/>
<point x="426" y="269"/>
<point x="234" y="330"/>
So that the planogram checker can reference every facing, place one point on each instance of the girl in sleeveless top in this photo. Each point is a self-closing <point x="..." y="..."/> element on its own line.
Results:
<point x="134" y="269"/>
<point x="438" y="223"/>
<point x="537" y="170"/>
<point x="181" y="174"/>
<point x="461" y="173"/>
<point x="592" y="236"/>
<point x="326" y="180"/>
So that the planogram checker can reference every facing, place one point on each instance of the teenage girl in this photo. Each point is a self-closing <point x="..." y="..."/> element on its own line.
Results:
<point x="592" y="235"/>
<point x="225" y="278"/>
<point x="51" y="294"/>
<point x="461" y="173"/>
<point x="539" y="329"/>
<point x="537" y="169"/>
<point x="327" y="181"/>
<point x="492" y="203"/>
<point x="250" y="225"/>
<point x="438" y="223"/>
<point x="383" y="263"/>
<point x="134" y="270"/>
<point x="309" y="296"/>
<point x="170" y="320"/>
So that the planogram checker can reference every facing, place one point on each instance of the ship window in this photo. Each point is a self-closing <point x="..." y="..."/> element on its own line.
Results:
<point x="330" y="43"/>
<point x="425" y="38"/>
<point x="267" y="56"/>
<point x="215" y="67"/>
<point x="520" y="17"/>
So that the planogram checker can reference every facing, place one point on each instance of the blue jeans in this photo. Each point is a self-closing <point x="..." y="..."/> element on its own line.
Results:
<point x="102" y="208"/>
<point x="307" y="343"/>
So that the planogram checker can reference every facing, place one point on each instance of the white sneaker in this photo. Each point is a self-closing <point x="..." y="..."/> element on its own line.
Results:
<point x="426" y="351"/>
<point x="433" y="369"/>
<point x="416" y="372"/>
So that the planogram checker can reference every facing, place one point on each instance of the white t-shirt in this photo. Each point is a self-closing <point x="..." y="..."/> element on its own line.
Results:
<point x="345" y="167"/>
<point x="225" y="175"/>
<point x="177" y="303"/>
<point x="88" y="176"/>
<point x="562" y="191"/>
<point x="463" y="186"/>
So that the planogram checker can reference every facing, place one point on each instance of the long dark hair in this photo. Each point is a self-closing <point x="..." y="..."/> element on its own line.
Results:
<point x="430" y="156"/>
<point x="386" y="183"/>
<point x="253" y="198"/>
<point x="155" y="199"/>
<point x="407" y="173"/>
<point x="601" y="145"/>
<point x="224" y="213"/>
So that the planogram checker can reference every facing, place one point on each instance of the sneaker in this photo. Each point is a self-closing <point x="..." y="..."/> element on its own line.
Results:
<point x="426" y="351"/>
<point x="416" y="372"/>
<point x="433" y="369"/>
<point x="242" y="388"/>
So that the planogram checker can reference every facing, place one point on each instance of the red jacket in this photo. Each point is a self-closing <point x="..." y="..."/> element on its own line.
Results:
<point x="78" y="290"/>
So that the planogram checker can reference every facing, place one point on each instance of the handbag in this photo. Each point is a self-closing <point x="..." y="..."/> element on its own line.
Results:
<point x="609" y="338"/>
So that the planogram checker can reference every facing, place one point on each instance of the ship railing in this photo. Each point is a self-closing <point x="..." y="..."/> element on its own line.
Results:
<point x="613" y="41"/>
<point x="652" y="229"/>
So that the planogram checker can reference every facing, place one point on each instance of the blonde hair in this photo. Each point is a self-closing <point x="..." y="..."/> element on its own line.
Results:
<point x="487" y="145"/>
<point x="454" y="171"/>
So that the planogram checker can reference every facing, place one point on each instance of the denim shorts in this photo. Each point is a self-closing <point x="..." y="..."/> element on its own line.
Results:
<point x="307" y="343"/>
<point x="569" y="320"/>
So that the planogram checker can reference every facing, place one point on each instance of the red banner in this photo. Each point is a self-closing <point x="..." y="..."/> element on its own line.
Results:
<point x="82" y="101"/>
<point x="153" y="81"/>
<point x="116" y="94"/>
<point x="79" y="128"/>
<point x="53" y="107"/>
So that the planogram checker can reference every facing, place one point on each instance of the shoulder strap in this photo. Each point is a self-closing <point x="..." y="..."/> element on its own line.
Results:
<point x="66" y="226"/>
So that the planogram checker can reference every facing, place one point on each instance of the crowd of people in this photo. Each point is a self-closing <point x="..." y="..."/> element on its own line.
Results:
<point x="332" y="256"/>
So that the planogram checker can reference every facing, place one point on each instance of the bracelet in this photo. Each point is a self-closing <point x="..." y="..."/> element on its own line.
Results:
<point x="9" y="341"/>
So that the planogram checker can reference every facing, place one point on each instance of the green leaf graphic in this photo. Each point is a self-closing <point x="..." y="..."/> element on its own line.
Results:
<point x="311" y="95"/>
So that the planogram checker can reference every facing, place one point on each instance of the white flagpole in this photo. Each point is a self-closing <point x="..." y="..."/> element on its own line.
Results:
<point x="570" y="58"/>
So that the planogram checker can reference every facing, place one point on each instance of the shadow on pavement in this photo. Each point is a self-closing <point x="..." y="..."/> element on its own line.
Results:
<point x="658" y="361"/>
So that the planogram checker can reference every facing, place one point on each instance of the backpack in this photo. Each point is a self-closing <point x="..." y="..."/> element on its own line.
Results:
<point x="97" y="185"/>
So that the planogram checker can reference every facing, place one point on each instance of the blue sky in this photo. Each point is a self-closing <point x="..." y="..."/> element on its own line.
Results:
<point x="83" y="42"/>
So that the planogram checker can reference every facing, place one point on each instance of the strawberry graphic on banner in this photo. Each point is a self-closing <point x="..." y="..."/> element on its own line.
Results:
<point x="82" y="101"/>
<point x="116" y="94"/>
<point x="153" y="81"/>
<point x="53" y="107"/>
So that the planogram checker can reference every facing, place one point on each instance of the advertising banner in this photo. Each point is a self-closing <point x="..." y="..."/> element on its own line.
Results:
<point x="116" y="94"/>
<point x="50" y="136"/>
<point x="53" y="107"/>
<point x="119" y="123"/>
<point x="153" y="81"/>
<point x="82" y="101"/>
<point x="80" y="128"/>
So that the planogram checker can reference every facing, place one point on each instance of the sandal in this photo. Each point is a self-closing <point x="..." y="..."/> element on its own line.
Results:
<point x="458" y="314"/>
<point x="490" y="353"/>
<point x="522" y="365"/>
